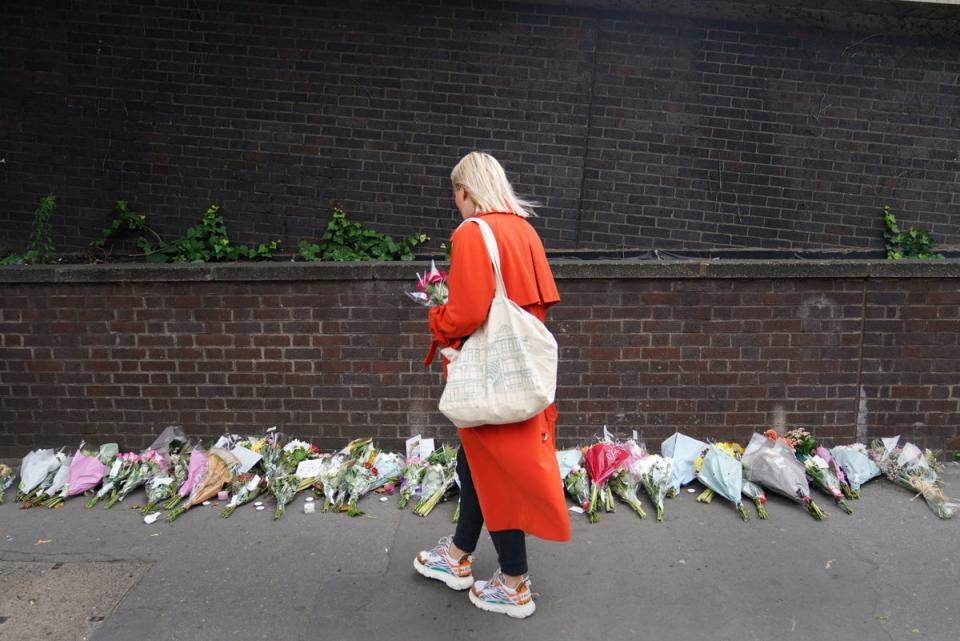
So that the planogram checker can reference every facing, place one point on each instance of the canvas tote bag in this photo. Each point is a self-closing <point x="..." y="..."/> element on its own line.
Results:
<point x="506" y="371"/>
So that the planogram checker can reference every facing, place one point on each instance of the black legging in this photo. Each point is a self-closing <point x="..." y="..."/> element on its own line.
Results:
<point x="511" y="545"/>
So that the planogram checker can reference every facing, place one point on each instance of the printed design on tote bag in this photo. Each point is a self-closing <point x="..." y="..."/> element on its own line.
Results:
<point x="476" y="369"/>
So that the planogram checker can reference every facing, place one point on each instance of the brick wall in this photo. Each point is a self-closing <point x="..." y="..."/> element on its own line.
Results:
<point x="633" y="129"/>
<point x="650" y="349"/>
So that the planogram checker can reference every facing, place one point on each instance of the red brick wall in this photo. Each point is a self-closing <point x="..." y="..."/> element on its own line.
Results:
<point x="331" y="360"/>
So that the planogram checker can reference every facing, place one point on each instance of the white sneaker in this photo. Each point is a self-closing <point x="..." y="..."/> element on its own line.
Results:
<point x="438" y="564"/>
<point x="495" y="596"/>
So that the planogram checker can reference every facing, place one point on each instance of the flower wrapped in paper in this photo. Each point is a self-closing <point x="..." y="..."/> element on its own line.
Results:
<point x="858" y="468"/>
<point x="568" y="459"/>
<point x="722" y="472"/>
<point x="215" y="476"/>
<point x="181" y="472"/>
<point x="196" y="467"/>
<point x="603" y="460"/>
<point x="915" y="470"/>
<point x="834" y="466"/>
<point x="772" y="464"/>
<point x="51" y="493"/>
<point x="682" y="450"/>
<point x="727" y="447"/>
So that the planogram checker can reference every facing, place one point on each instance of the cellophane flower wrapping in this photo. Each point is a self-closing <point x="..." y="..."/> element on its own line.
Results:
<point x="389" y="469"/>
<point x="215" y="476"/>
<point x="7" y="477"/>
<point x="59" y="478"/>
<point x="431" y="287"/>
<point x="856" y="464"/>
<point x="567" y="460"/>
<point x="602" y="461"/>
<point x="330" y="475"/>
<point x="723" y="473"/>
<point x="772" y="464"/>
<point x="195" y="469"/>
<point x="437" y="479"/>
<point x="283" y="488"/>
<point x="819" y="471"/>
<point x="626" y="483"/>
<point x="86" y="473"/>
<point x="577" y="485"/>
<point x="837" y="471"/>
<point x="656" y="476"/>
<point x="413" y="472"/>
<point x="682" y="450"/>
<point x="917" y="471"/>
<point x="35" y="468"/>
<point x="246" y="487"/>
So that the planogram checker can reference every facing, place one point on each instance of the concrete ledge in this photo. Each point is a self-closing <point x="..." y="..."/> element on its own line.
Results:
<point x="564" y="269"/>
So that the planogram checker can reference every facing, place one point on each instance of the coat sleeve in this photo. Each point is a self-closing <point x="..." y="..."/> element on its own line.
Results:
<point x="471" y="287"/>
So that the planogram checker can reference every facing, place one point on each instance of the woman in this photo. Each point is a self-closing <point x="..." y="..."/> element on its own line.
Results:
<point x="509" y="476"/>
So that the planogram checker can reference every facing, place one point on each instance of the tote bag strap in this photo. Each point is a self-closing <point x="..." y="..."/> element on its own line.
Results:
<point x="493" y="250"/>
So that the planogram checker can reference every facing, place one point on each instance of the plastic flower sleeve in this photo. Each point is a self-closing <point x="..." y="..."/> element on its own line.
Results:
<point x="35" y="468"/>
<point x="195" y="470"/>
<point x="683" y="450"/>
<point x="567" y="460"/>
<point x="856" y="465"/>
<point x="774" y="466"/>
<point x="724" y="475"/>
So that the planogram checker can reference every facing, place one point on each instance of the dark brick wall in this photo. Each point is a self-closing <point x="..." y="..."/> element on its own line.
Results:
<point x="849" y="358"/>
<point x="634" y="130"/>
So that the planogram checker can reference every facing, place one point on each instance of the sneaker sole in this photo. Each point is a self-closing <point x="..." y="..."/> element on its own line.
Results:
<point x="457" y="583"/>
<point x="515" y="611"/>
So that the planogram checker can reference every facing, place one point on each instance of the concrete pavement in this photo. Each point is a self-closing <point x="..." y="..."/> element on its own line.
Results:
<point x="889" y="571"/>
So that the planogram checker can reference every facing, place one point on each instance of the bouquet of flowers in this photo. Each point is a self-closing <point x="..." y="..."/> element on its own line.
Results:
<point x="413" y="473"/>
<point x="837" y="471"/>
<point x="857" y="466"/>
<point x="283" y="488"/>
<point x="577" y="485"/>
<point x="6" y="479"/>
<point x="756" y="494"/>
<point x="431" y="287"/>
<point x="196" y="468"/>
<point x="357" y="480"/>
<point x="656" y="475"/>
<point x="819" y="470"/>
<point x="85" y="472"/>
<point x="625" y="484"/>
<point x="216" y="474"/>
<point x="149" y="465"/>
<point x="771" y="463"/>
<point x="295" y="452"/>
<point x="388" y="469"/>
<point x="602" y="461"/>
<point x="181" y="472"/>
<point x="915" y="470"/>
<point x="722" y="472"/>
<point x="245" y="488"/>
<point x="437" y="479"/>
<point x="683" y="451"/>
<point x="330" y="477"/>
<point x="37" y="467"/>
<point x="728" y="447"/>
<point x="53" y="489"/>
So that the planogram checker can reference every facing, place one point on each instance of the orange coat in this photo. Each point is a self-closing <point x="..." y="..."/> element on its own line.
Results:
<point x="514" y="466"/>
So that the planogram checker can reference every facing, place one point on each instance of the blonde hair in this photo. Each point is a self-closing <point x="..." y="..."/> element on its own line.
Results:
<point x="486" y="183"/>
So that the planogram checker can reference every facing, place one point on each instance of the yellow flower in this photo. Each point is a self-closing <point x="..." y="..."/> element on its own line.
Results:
<point x="257" y="445"/>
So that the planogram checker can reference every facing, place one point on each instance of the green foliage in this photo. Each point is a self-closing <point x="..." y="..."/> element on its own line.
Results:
<point x="40" y="248"/>
<point x="126" y="220"/>
<point x="916" y="243"/>
<point x="347" y="241"/>
<point x="206" y="242"/>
